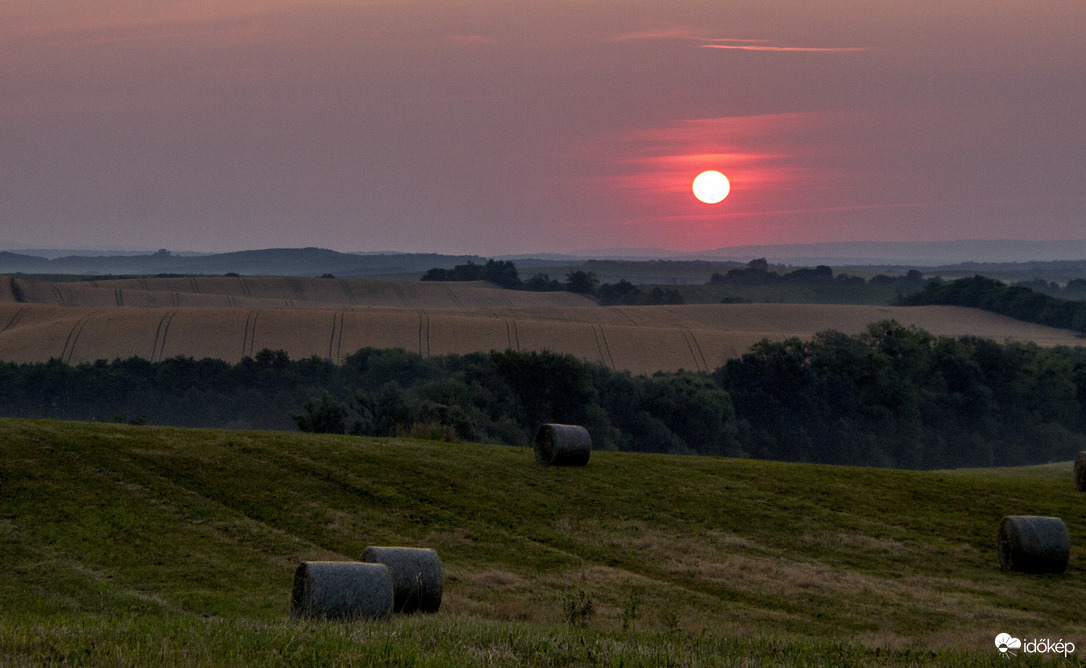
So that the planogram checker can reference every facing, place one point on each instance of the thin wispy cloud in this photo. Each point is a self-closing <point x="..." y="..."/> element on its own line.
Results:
<point x="660" y="33"/>
<point x="680" y="33"/>
<point x="806" y="49"/>
<point x="732" y="43"/>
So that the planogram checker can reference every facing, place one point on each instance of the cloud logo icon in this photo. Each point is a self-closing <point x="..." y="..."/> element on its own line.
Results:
<point x="1005" y="643"/>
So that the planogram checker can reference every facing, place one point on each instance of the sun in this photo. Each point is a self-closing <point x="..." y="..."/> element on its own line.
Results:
<point x="711" y="187"/>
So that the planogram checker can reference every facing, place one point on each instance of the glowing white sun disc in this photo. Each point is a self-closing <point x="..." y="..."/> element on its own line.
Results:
<point x="711" y="187"/>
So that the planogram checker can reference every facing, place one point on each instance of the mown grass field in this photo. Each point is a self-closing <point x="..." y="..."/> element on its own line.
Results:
<point x="129" y="545"/>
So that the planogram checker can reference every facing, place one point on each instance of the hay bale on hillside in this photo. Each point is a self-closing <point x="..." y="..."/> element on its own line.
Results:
<point x="1031" y="544"/>
<point x="341" y="590"/>
<point x="417" y="580"/>
<point x="1080" y="471"/>
<point x="562" y="445"/>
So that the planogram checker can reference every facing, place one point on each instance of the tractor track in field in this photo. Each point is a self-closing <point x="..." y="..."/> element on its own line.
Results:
<point x="73" y="338"/>
<point x="158" y="348"/>
<point x="16" y="318"/>
<point x="248" y="339"/>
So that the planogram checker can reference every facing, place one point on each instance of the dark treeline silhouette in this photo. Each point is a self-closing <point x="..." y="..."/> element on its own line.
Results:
<point x="757" y="273"/>
<point x="17" y="290"/>
<point x="499" y="272"/>
<point x="1074" y="289"/>
<point x="897" y="396"/>
<point x="892" y="396"/>
<point x="1016" y="301"/>
<point x="625" y="293"/>
<point x="504" y="274"/>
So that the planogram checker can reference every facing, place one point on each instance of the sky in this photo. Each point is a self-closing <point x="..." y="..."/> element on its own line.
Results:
<point x="510" y="126"/>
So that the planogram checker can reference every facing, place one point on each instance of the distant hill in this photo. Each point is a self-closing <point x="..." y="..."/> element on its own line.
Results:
<point x="857" y="253"/>
<point x="1005" y="259"/>
<point x="910" y="253"/>
<point x="1059" y="271"/>
<point x="266" y="262"/>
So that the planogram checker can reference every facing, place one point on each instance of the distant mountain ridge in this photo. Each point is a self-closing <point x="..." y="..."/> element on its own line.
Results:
<point x="1043" y="258"/>
<point x="872" y="253"/>
<point x="266" y="262"/>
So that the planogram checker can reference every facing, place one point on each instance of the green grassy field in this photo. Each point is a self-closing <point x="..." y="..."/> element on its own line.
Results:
<point x="148" y="546"/>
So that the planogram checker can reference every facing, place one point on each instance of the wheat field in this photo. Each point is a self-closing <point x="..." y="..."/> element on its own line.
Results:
<point x="281" y="292"/>
<point x="232" y="317"/>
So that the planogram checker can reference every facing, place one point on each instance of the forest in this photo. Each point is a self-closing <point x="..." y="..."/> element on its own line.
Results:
<point x="892" y="396"/>
<point x="504" y="274"/>
<point x="757" y="272"/>
<point x="1016" y="301"/>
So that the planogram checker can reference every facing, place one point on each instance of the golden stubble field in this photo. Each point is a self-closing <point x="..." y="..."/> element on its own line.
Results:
<point x="231" y="317"/>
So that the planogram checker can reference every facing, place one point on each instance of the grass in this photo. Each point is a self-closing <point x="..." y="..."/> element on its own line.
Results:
<point x="130" y="545"/>
<point x="431" y="641"/>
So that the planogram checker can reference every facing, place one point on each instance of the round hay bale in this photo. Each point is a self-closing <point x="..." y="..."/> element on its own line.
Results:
<point x="1031" y="544"/>
<point x="1080" y="471"/>
<point x="417" y="581"/>
<point x="562" y="445"/>
<point x="341" y="590"/>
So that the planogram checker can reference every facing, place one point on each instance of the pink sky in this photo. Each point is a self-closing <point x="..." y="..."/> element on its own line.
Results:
<point x="474" y="126"/>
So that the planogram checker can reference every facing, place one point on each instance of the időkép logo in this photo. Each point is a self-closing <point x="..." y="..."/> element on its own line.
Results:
<point x="1007" y="646"/>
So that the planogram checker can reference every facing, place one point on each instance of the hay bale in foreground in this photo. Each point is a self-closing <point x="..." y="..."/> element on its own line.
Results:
<point x="562" y="445"/>
<point x="417" y="580"/>
<point x="1031" y="544"/>
<point x="341" y="590"/>
<point x="1080" y="471"/>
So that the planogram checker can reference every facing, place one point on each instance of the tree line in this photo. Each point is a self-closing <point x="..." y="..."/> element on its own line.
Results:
<point x="503" y="273"/>
<point x="1073" y="289"/>
<point x="893" y="396"/>
<point x="757" y="272"/>
<point x="899" y="396"/>
<point x="1015" y="301"/>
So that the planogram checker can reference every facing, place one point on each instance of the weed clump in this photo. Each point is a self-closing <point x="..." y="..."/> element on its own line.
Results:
<point x="579" y="609"/>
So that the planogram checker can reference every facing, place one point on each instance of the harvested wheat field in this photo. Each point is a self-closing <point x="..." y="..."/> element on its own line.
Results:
<point x="281" y="292"/>
<point x="430" y="319"/>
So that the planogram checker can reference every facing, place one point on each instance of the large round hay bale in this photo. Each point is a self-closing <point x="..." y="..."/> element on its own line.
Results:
<point x="1031" y="544"/>
<point x="341" y="590"/>
<point x="417" y="581"/>
<point x="1080" y="471"/>
<point x="562" y="445"/>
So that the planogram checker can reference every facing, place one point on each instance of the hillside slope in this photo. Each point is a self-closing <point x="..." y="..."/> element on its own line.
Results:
<point x="640" y="339"/>
<point x="280" y="292"/>
<point x="114" y="522"/>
